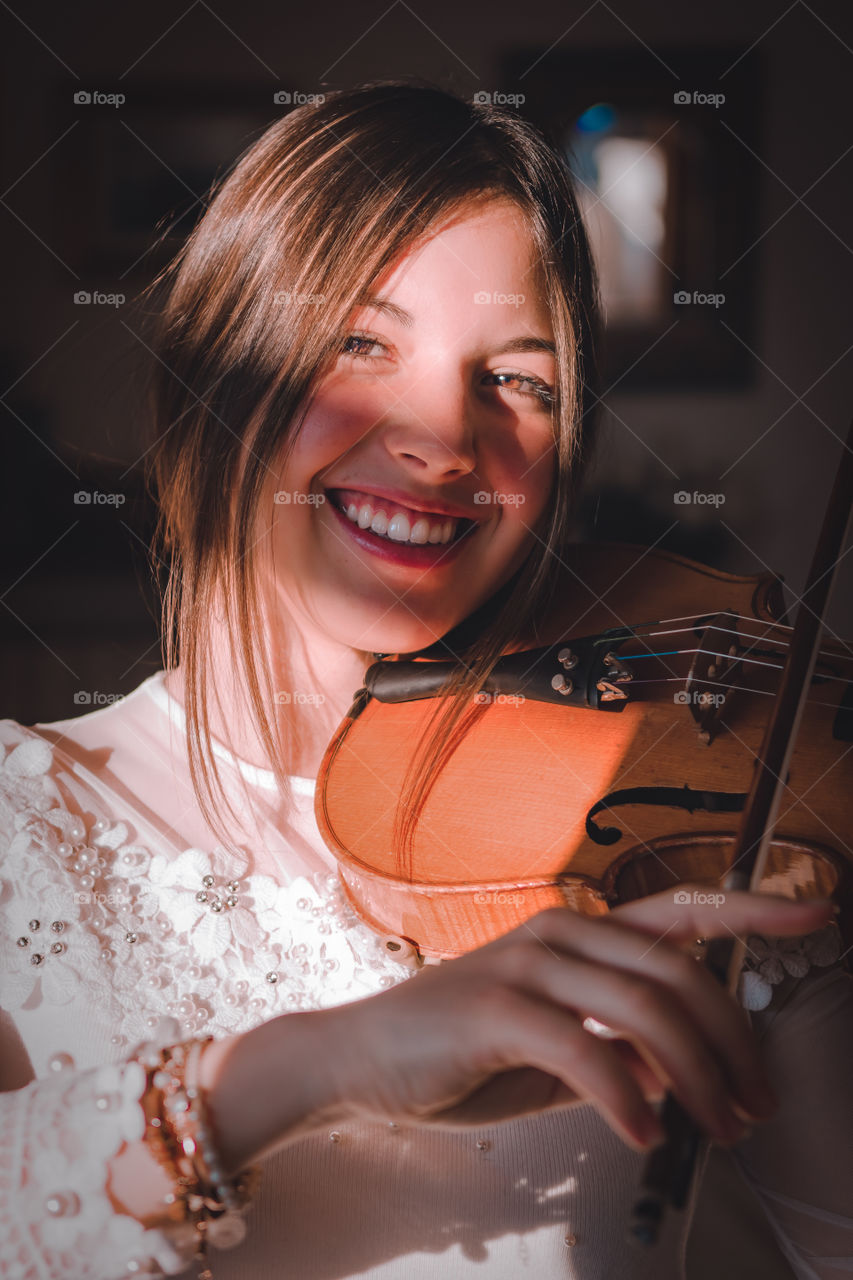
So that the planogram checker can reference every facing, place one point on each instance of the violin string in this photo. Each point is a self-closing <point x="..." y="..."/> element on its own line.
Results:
<point x="723" y="613"/>
<point x="651" y="629"/>
<point x="735" y="688"/>
<point x="769" y="628"/>
<point x="711" y="653"/>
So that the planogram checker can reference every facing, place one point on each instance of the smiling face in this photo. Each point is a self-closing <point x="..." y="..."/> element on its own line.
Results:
<point x="427" y="453"/>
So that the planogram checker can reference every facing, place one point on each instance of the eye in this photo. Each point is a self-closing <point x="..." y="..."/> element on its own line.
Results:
<point x="527" y="385"/>
<point x="361" y="341"/>
<point x="358" y="345"/>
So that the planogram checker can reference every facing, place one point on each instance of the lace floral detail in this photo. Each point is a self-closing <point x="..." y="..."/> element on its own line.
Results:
<point x="196" y="938"/>
<point x="194" y="935"/>
<point x="768" y="960"/>
<point x="63" y="1130"/>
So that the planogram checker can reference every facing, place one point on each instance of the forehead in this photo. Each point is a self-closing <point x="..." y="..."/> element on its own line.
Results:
<point x="485" y="247"/>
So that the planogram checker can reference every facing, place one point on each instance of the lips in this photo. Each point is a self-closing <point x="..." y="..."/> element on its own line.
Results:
<point x="391" y="502"/>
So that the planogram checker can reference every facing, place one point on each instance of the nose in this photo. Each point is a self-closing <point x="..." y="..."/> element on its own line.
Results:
<point x="433" y="435"/>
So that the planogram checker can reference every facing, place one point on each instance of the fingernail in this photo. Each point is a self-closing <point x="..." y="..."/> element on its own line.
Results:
<point x="824" y="904"/>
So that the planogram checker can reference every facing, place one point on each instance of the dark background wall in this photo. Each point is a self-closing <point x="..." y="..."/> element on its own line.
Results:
<point x="77" y="612"/>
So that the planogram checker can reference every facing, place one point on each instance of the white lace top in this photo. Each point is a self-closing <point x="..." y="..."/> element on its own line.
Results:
<point x="122" y="920"/>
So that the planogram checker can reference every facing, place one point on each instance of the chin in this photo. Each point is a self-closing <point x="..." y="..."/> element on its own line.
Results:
<point x="391" y="636"/>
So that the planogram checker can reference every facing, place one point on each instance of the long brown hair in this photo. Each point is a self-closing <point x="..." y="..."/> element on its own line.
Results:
<point x="317" y="209"/>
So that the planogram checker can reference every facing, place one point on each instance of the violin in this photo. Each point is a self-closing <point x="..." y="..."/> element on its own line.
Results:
<point x="610" y="762"/>
<point x="661" y="725"/>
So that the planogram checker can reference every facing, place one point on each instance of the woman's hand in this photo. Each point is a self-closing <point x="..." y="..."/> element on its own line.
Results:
<point x="499" y="1032"/>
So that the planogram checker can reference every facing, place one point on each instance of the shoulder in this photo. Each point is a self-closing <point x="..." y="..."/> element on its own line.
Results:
<point x="27" y="789"/>
<point x="44" y="833"/>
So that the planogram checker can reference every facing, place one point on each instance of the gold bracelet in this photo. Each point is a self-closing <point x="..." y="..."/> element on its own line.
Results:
<point x="179" y="1135"/>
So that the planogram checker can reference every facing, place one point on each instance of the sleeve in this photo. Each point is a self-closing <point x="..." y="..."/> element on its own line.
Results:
<point x="60" y="1131"/>
<point x="57" y="1219"/>
<point x="800" y="1163"/>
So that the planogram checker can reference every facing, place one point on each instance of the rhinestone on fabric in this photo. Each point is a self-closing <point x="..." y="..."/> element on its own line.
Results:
<point x="60" y="1062"/>
<point x="216" y="900"/>
<point x="62" y="1204"/>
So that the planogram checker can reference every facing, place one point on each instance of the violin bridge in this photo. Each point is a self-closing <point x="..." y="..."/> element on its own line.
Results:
<point x="712" y="676"/>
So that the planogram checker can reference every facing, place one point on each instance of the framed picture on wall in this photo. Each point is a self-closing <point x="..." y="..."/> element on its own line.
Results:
<point x="663" y="148"/>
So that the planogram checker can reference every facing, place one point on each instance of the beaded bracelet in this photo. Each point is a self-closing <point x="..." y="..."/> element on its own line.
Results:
<point x="179" y="1135"/>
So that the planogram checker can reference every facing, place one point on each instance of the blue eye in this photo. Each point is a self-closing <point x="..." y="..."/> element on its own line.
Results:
<point x="528" y="385"/>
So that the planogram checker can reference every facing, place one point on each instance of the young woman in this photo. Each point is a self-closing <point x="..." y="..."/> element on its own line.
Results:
<point x="387" y="311"/>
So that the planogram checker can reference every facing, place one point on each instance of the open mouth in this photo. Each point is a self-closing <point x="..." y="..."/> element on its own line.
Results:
<point x="394" y="523"/>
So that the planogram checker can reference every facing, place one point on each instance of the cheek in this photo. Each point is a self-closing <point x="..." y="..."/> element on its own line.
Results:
<point x="524" y="475"/>
<point x="322" y="439"/>
<point x="341" y="416"/>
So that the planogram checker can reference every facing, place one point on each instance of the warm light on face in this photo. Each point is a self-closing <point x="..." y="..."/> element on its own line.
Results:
<point x="443" y="393"/>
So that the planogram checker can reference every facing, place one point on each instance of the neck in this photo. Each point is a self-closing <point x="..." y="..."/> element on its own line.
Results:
<point x="314" y="681"/>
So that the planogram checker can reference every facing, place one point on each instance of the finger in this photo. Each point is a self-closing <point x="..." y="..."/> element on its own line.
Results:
<point x="544" y="1036"/>
<point x="652" y="1085"/>
<point x="693" y="911"/>
<point x="704" y="1003"/>
<point x="654" y="1019"/>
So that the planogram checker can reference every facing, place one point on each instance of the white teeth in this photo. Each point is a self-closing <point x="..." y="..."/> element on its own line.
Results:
<point x="398" y="528"/>
<point x="426" y="529"/>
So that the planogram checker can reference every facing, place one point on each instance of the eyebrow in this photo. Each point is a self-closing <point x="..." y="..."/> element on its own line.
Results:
<point x="513" y="346"/>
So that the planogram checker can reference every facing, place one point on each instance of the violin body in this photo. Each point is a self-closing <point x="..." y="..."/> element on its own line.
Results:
<point x="623" y="783"/>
